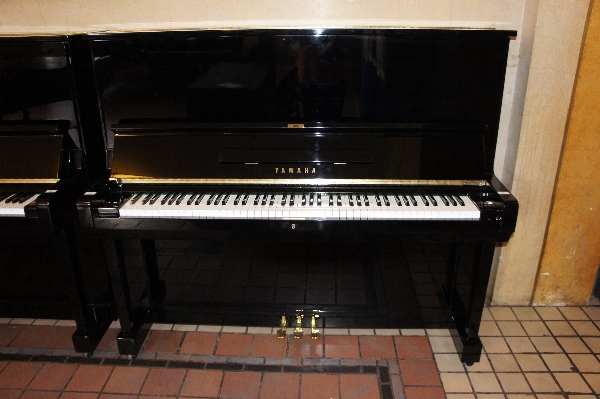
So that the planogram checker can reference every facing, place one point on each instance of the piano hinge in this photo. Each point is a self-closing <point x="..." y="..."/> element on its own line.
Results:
<point x="295" y="126"/>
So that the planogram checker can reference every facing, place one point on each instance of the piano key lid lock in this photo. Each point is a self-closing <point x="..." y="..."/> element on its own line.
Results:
<point x="297" y="322"/>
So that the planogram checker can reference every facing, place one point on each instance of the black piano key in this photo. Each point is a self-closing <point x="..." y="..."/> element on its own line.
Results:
<point x="272" y="200"/>
<point x="292" y="198"/>
<point x="264" y="199"/>
<point x="17" y="198"/>
<point x="256" y="199"/>
<point x="398" y="201"/>
<point x="199" y="200"/>
<point x="424" y="198"/>
<point x="351" y="200"/>
<point x="135" y="198"/>
<point x="339" y="200"/>
<point x="225" y="199"/>
<point x="413" y="200"/>
<point x="319" y="199"/>
<point x="245" y="200"/>
<point x="330" y="199"/>
<point x="25" y="197"/>
<point x="405" y="200"/>
<point x="3" y="196"/>
<point x="283" y="199"/>
<point x="173" y="197"/>
<point x="358" y="201"/>
<point x="192" y="198"/>
<point x="459" y="200"/>
<point x="451" y="199"/>
<point x="366" y="199"/>
<point x="303" y="199"/>
<point x="311" y="199"/>
<point x="217" y="199"/>
<point x="444" y="200"/>
<point x="154" y="198"/>
<point x="432" y="200"/>
<point x="386" y="200"/>
<point x="236" y="200"/>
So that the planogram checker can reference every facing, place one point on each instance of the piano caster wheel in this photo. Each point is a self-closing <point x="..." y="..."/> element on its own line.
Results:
<point x="282" y="332"/>
<point x="298" y="331"/>
<point x="314" y="332"/>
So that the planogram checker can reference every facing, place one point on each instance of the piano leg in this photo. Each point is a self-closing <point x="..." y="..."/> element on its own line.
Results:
<point x="134" y="321"/>
<point x="465" y="292"/>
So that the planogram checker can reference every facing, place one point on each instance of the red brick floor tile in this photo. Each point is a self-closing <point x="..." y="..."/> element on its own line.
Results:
<point x="199" y="343"/>
<point x="164" y="341"/>
<point x="234" y="344"/>
<point x="163" y="382"/>
<point x="305" y="347"/>
<point x="359" y="386"/>
<point x="413" y="348"/>
<point x="341" y="346"/>
<point x="126" y="380"/>
<point x="377" y="347"/>
<point x="108" y="341"/>
<point x="78" y="395"/>
<point x="2" y="365"/>
<point x="280" y="386"/>
<point x="202" y="383"/>
<point x="53" y="377"/>
<point x="10" y="393"/>
<point x="18" y="374"/>
<point x="319" y="386"/>
<point x="157" y="397"/>
<point x="117" y="396"/>
<point x="60" y="338"/>
<point x="32" y="336"/>
<point x="240" y="385"/>
<point x="38" y="395"/>
<point x="424" y="393"/>
<point x="8" y="332"/>
<point x="268" y="345"/>
<point x="89" y="378"/>
<point x="419" y="372"/>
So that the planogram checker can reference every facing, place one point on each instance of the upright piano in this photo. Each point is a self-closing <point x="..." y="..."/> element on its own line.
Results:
<point x="356" y="136"/>
<point x="43" y="169"/>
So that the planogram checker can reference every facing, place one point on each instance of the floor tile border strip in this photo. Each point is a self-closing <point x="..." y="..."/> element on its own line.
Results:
<point x="381" y="372"/>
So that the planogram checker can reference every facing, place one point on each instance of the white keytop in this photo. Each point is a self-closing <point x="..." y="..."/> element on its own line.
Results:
<point x="272" y="206"/>
<point x="14" y="209"/>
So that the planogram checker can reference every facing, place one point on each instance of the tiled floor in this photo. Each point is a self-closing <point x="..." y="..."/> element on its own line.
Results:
<point x="543" y="353"/>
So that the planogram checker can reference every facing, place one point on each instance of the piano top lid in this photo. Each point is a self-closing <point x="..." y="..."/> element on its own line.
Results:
<point x="31" y="152"/>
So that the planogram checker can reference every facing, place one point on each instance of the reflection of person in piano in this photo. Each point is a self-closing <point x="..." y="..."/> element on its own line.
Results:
<point x="321" y="78"/>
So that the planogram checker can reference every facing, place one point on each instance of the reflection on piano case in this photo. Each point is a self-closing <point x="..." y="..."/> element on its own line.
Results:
<point x="42" y="172"/>
<point x="363" y="137"/>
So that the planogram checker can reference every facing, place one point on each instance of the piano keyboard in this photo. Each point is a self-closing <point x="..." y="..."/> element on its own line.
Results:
<point x="13" y="204"/>
<point x="303" y="206"/>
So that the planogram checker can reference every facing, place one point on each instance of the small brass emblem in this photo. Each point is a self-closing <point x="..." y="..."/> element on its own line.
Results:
<point x="281" y="333"/>
<point x="293" y="226"/>
<point x="298" y="331"/>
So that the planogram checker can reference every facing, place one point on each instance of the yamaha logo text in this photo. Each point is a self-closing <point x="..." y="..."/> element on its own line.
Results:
<point x="298" y="171"/>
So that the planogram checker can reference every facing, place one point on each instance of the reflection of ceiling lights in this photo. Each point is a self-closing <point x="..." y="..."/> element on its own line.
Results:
<point x="318" y="32"/>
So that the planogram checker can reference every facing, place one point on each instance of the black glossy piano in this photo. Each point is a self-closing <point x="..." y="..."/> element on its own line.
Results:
<point x="43" y="170"/>
<point x="357" y="137"/>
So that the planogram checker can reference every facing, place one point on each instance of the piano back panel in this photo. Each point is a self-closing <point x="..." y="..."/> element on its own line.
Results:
<point x="285" y="77"/>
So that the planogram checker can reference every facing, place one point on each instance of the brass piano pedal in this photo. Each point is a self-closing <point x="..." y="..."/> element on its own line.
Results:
<point x="282" y="332"/>
<point x="298" y="331"/>
<point x="314" y="332"/>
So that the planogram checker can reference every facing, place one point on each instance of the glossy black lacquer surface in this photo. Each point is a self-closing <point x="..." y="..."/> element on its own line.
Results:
<point x="286" y="77"/>
<point x="337" y="111"/>
<point x="43" y="272"/>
